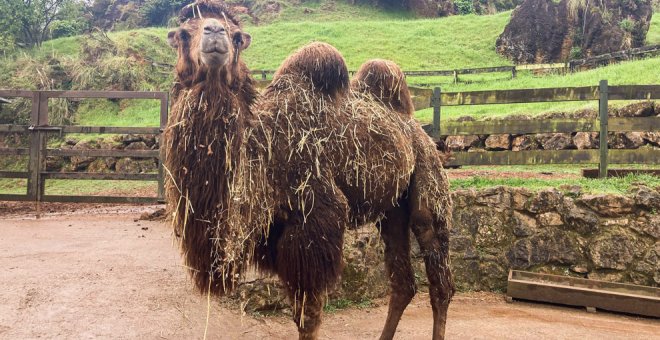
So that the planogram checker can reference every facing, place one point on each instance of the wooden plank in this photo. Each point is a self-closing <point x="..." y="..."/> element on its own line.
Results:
<point x="105" y="94"/>
<point x="634" y="124"/>
<point x="632" y="92"/>
<point x="485" y="70"/>
<point x="13" y="128"/>
<point x="617" y="297"/>
<point x="525" y="157"/>
<point x="520" y="96"/>
<point x="16" y="93"/>
<point x="111" y="129"/>
<point x="14" y="174"/>
<point x="637" y="156"/>
<point x="14" y="151"/>
<point x="602" y="135"/>
<point x="435" y="102"/>
<point x="99" y="176"/>
<point x="453" y="128"/>
<point x="98" y="199"/>
<point x="428" y="73"/>
<point x="533" y="67"/>
<point x="15" y="198"/>
<point x="103" y="153"/>
<point x="593" y="173"/>
<point x="34" y="163"/>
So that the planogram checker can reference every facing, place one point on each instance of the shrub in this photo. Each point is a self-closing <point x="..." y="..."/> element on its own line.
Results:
<point x="66" y="28"/>
<point x="464" y="6"/>
<point x="576" y="53"/>
<point x="158" y="12"/>
<point x="627" y="25"/>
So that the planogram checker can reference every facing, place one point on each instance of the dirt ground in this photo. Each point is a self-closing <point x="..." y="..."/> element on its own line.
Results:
<point x="100" y="272"/>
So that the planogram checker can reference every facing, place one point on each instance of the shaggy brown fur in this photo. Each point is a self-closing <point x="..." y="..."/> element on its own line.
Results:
<point x="277" y="183"/>
<point x="203" y="157"/>
<point x="385" y="81"/>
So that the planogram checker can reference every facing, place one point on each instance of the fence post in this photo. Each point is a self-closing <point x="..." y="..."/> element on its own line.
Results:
<point x="455" y="77"/>
<point x="602" y="110"/>
<point x="514" y="72"/>
<point x="38" y="117"/>
<point x="164" y="102"/>
<point x="263" y="75"/>
<point x="436" y="103"/>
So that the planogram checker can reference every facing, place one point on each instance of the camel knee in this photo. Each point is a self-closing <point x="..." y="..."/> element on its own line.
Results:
<point x="404" y="294"/>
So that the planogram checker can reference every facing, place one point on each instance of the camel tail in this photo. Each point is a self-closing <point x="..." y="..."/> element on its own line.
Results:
<point x="321" y="63"/>
<point x="385" y="80"/>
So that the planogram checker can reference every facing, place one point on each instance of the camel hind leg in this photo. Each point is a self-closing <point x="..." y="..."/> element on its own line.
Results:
<point x="395" y="232"/>
<point x="432" y="234"/>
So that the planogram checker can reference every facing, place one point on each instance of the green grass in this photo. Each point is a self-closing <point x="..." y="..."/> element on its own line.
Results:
<point x="324" y="11"/>
<point x="653" y="35"/>
<point x="81" y="187"/>
<point x="335" y="305"/>
<point x="129" y="112"/>
<point x="414" y="45"/>
<point x="612" y="185"/>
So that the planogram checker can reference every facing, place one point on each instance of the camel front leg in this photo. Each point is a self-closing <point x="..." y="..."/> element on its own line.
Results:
<point x="307" y="314"/>
<point x="309" y="258"/>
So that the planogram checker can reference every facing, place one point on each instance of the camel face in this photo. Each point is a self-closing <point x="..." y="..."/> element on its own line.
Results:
<point x="209" y="39"/>
<point x="214" y="46"/>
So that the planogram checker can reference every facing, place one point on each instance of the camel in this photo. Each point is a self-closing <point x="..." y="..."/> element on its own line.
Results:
<point x="274" y="180"/>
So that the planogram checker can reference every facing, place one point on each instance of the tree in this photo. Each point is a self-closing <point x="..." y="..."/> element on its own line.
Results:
<point x="28" y="21"/>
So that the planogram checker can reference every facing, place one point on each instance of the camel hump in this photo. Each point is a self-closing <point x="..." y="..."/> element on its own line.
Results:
<point x="321" y="63"/>
<point x="385" y="80"/>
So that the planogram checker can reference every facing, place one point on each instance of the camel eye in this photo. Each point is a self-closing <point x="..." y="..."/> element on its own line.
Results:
<point x="212" y="28"/>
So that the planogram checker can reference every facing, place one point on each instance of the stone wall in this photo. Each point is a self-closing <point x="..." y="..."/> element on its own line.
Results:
<point x="605" y="237"/>
<point x="106" y="164"/>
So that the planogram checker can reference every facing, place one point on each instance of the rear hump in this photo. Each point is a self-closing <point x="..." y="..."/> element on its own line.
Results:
<point x="385" y="80"/>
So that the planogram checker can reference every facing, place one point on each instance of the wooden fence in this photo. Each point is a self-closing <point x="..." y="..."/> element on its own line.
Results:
<point x="608" y="58"/>
<point x="572" y="65"/>
<point x="39" y="129"/>
<point x="263" y="75"/>
<point x="603" y="93"/>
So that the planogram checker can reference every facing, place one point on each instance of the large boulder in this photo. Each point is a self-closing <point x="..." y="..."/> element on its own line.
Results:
<point x="430" y="8"/>
<point x="462" y="143"/>
<point x="498" y="142"/>
<point x="626" y="140"/>
<point x="524" y="142"/>
<point x="542" y="31"/>
<point x="537" y="33"/>
<point x="586" y="140"/>
<point x="556" y="141"/>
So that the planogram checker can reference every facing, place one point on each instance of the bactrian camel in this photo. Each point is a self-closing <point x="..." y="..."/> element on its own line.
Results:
<point x="274" y="180"/>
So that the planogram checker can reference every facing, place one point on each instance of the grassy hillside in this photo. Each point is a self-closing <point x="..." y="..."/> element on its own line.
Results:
<point x="446" y="43"/>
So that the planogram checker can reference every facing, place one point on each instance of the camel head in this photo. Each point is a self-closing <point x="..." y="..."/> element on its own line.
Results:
<point x="209" y="42"/>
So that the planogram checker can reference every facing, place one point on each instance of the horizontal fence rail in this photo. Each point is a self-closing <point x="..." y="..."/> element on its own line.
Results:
<point x="37" y="152"/>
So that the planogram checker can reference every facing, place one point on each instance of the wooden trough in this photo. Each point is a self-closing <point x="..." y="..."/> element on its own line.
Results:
<point x="592" y="294"/>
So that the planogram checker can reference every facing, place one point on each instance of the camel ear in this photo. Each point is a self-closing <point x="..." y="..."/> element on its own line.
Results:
<point x="241" y="40"/>
<point x="171" y="39"/>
